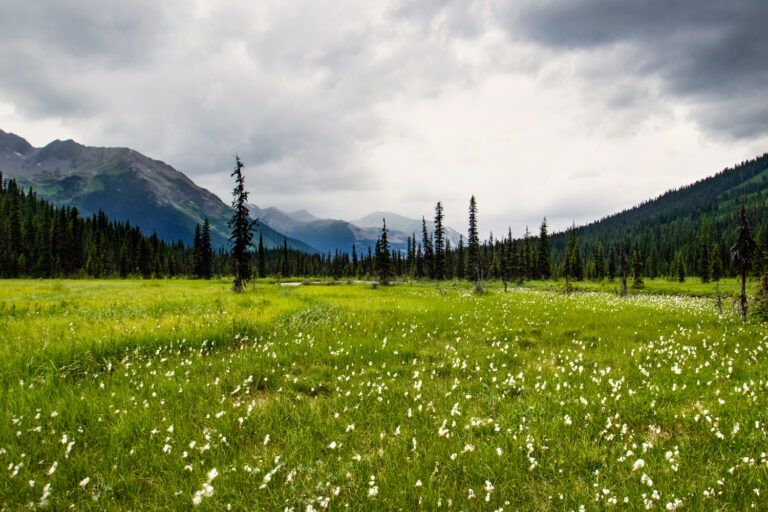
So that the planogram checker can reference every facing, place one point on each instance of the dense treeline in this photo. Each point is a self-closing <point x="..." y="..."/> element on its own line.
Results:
<point x="681" y="233"/>
<point x="38" y="239"/>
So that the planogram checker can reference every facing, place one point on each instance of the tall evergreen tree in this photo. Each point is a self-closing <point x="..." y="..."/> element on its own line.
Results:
<point x="285" y="268"/>
<point x="573" y="266"/>
<point x="473" y="246"/>
<point x="439" y="248"/>
<point x="599" y="261"/>
<point x="206" y="257"/>
<point x="679" y="269"/>
<point x="429" y="256"/>
<point x="242" y="230"/>
<point x="542" y="252"/>
<point x="354" y="260"/>
<point x="197" y="253"/>
<point x="741" y="255"/>
<point x="261" y="263"/>
<point x="461" y="264"/>
<point x="385" y="267"/>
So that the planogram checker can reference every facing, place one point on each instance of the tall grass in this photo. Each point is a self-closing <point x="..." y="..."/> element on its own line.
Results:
<point x="129" y="394"/>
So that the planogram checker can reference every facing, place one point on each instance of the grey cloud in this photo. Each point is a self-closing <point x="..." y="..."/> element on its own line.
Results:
<point x="113" y="32"/>
<point x="463" y="18"/>
<point x="711" y="54"/>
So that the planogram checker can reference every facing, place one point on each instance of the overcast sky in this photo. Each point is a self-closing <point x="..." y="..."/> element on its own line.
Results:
<point x="569" y="109"/>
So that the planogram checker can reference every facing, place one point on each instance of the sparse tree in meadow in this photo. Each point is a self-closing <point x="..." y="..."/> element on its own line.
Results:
<point x="542" y="252"/>
<point x="385" y="268"/>
<point x="439" y="248"/>
<point x="473" y="245"/>
<point x="242" y="227"/>
<point x="741" y="255"/>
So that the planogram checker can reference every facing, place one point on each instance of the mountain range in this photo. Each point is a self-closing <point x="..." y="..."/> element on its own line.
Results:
<point x="152" y="195"/>
<point x="335" y="234"/>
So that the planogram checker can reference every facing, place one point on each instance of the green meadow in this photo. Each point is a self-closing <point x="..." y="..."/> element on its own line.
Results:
<point x="179" y="394"/>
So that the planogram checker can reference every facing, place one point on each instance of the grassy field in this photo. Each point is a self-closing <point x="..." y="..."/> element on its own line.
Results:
<point x="169" y="394"/>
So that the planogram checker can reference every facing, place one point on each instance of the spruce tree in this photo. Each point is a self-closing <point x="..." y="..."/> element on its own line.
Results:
<point x="261" y="264"/>
<point x="197" y="252"/>
<point x="542" y="252"/>
<point x="242" y="227"/>
<point x="354" y="260"/>
<point x="573" y="266"/>
<point x="741" y="255"/>
<point x="285" y="268"/>
<point x="461" y="264"/>
<point x="385" y="268"/>
<point x="439" y="269"/>
<point x="429" y="257"/>
<point x="473" y="246"/>
<point x="599" y="261"/>
<point x="679" y="267"/>
<point x="206" y="250"/>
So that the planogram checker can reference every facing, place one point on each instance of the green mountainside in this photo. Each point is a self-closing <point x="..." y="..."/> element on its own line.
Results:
<point x="125" y="185"/>
<point x="670" y="223"/>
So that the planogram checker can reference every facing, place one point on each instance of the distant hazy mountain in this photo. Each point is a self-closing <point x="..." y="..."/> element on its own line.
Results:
<point x="123" y="183"/>
<point x="335" y="234"/>
<point x="397" y="222"/>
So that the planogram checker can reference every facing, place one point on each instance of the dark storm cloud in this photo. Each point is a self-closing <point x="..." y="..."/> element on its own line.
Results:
<point x="713" y="55"/>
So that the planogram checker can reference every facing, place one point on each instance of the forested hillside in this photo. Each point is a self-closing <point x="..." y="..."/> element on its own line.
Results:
<point x="670" y="225"/>
<point x="38" y="239"/>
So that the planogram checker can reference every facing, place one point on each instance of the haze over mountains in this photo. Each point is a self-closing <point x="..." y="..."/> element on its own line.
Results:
<point x="129" y="186"/>
<point x="331" y="234"/>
